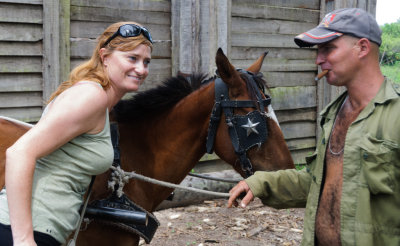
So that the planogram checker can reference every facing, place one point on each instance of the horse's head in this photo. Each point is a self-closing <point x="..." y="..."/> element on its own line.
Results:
<point x="243" y="114"/>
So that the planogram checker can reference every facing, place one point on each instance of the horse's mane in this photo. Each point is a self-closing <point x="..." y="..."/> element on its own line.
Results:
<point x="156" y="101"/>
<point x="147" y="105"/>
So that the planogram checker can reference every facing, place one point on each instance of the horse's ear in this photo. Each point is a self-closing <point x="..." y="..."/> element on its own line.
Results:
<point x="226" y="71"/>
<point x="256" y="67"/>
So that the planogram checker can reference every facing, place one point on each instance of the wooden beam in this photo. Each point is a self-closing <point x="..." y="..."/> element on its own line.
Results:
<point x="199" y="29"/>
<point x="250" y="10"/>
<point x="250" y="25"/>
<point x="185" y="39"/>
<point x="56" y="45"/>
<point x="156" y="6"/>
<point x="280" y="65"/>
<point x="21" y="13"/>
<point x="23" y="1"/>
<point x="21" y="49"/>
<point x="21" y="32"/>
<point x="119" y="14"/>
<point x="20" y="99"/>
<point x="215" y="26"/>
<point x="175" y="35"/>
<point x="17" y="82"/>
<point x="296" y="97"/>
<point x="294" y="115"/>
<point x="307" y="4"/>
<point x="51" y="51"/>
<point x="65" y="44"/>
<point x="17" y="64"/>
<point x="302" y="129"/>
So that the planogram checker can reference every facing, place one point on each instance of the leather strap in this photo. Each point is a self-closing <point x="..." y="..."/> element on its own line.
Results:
<point x="146" y="231"/>
<point x="227" y="106"/>
<point x="72" y="242"/>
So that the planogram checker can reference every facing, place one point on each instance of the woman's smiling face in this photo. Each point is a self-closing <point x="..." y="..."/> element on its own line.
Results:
<point x="128" y="69"/>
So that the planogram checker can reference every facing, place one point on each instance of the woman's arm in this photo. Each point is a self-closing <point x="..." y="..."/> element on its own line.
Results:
<point x="80" y="109"/>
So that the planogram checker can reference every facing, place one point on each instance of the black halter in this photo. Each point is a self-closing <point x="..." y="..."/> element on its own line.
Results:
<point x="245" y="131"/>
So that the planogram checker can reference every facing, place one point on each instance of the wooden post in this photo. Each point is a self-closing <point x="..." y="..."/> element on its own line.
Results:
<point x="215" y="32"/>
<point x="199" y="29"/>
<point x="65" y="45"/>
<point x="185" y="37"/>
<point x="55" y="44"/>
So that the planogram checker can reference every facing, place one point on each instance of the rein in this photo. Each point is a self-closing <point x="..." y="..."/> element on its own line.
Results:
<point x="125" y="176"/>
<point x="245" y="131"/>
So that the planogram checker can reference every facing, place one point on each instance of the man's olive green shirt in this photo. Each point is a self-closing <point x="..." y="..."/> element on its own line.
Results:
<point x="370" y="201"/>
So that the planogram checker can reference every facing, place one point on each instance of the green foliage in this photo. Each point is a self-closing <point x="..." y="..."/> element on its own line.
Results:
<point x="390" y="48"/>
<point x="392" y="71"/>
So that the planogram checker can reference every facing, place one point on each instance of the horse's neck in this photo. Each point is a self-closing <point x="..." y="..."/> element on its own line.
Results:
<point x="168" y="148"/>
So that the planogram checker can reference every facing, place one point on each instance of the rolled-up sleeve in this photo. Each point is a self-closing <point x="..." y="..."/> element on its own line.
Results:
<point x="281" y="189"/>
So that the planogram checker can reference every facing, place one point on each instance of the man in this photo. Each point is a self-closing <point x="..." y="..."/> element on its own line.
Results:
<point x="351" y="185"/>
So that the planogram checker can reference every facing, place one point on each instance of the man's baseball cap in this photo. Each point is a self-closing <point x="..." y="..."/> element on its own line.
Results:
<point x="351" y="21"/>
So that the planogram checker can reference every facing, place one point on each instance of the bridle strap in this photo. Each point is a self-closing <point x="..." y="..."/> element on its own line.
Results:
<point x="224" y="104"/>
<point x="243" y="104"/>
<point x="221" y="92"/>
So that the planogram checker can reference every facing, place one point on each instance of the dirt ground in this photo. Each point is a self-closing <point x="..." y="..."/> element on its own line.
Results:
<point x="212" y="223"/>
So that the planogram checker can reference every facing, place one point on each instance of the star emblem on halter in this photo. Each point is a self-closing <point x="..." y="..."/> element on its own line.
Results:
<point x="250" y="127"/>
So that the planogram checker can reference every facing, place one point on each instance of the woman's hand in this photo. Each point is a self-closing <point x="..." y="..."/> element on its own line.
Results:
<point x="241" y="190"/>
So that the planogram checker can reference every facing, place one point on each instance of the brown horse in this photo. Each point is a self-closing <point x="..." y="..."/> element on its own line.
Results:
<point x="163" y="134"/>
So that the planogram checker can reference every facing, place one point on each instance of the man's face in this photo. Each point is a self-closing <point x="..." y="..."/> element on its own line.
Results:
<point x="339" y="58"/>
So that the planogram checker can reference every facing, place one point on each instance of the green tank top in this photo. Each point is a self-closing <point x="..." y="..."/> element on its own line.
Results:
<point x="61" y="180"/>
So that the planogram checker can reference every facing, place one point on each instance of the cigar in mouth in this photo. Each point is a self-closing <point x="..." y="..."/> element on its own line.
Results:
<point x="321" y="75"/>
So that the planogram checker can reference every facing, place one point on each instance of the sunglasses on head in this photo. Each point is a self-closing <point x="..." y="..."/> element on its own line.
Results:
<point x="130" y="30"/>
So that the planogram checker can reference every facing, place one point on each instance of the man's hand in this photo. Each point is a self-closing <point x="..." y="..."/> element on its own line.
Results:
<point x="241" y="190"/>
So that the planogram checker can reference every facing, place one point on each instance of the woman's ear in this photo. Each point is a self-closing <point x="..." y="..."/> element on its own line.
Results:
<point x="102" y="55"/>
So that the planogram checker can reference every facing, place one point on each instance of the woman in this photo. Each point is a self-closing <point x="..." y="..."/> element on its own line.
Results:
<point x="49" y="168"/>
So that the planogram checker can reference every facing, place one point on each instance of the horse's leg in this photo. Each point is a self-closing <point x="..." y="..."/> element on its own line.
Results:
<point x="9" y="133"/>
<point x="94" y="232"/>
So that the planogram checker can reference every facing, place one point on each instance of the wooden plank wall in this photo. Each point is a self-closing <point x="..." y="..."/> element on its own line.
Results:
<point x="21" y="34"/>
<point x="41" y="40"/>
<point x="271" y="25"/>
<point x="90" y="18"/>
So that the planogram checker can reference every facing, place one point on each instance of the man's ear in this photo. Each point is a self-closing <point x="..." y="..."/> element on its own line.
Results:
<point x="365" y="47"/>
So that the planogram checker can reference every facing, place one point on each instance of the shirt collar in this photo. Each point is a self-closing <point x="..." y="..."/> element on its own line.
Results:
<point x="387" y="91"/>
